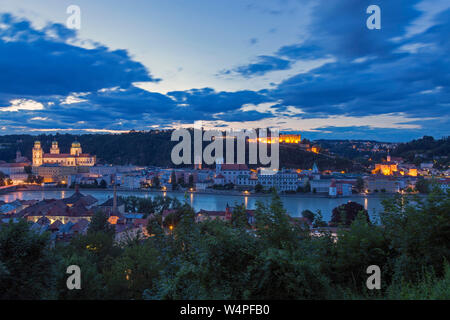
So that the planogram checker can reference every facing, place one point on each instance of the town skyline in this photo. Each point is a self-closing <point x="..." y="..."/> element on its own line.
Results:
<point x="301" y="66"/>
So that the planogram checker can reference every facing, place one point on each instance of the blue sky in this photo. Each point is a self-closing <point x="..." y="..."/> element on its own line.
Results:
<point x="308" y="66"/>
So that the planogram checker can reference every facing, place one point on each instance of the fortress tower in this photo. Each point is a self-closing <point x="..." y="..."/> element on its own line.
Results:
<point x="38" y="154"/>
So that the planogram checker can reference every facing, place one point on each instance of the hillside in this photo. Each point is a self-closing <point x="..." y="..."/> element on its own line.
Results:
<point x="147" y="149"/>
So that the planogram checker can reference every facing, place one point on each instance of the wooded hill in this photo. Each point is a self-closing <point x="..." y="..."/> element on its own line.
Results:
<point x="149" y="148"/>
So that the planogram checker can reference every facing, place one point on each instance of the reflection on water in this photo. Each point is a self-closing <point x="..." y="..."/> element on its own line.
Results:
<point x="293" y="205"/>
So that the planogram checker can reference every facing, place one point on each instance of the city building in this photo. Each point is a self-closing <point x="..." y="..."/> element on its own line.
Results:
<point x="280" y="180"/>
<point x="230" y="172"/>
<point x="76" y="158"/>
<point x="15" y="171"/>
<point x="54" y="172"/>
<point x="382" y="184"/>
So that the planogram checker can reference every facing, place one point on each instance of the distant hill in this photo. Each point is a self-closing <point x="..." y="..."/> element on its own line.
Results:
<point x="425" y="149"/>
<point x="149" y="148"/>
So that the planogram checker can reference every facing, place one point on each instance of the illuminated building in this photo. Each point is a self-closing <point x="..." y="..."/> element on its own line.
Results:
<point x="386" y="184"/>
<point x="283" y="138"/>
<point x="54" y="172"/>
<point x="76" y="158"/>
<point x="387" y="168"/>
<point x="290" y="138"/>
<point x="315" y="149"/>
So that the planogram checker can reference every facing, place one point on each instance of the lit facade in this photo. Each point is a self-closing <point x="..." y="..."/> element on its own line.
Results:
<point x="283" y="138"/>
<point x="387" y="168"/>
<point x="76" y="158"/>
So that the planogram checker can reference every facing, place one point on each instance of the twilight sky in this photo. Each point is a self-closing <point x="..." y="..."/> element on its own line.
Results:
<point x="308" y="66"/>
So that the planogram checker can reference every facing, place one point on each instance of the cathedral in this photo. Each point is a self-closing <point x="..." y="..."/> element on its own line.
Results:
<point x="76" y="158"/>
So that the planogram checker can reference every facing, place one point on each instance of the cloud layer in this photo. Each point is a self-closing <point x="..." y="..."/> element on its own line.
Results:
<point x="396" y="80"/>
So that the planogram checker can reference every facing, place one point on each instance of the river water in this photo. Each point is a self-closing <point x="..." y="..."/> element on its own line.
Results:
<point x="294" y="204"/>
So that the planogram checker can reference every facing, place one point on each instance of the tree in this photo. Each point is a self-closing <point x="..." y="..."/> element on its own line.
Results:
<point x="136" y="269"/>
<point x="99" y="223"/>
<point x="239" y="216"/>
<point x="258" y="188"/>
<point x="422" y="185"/>
<point x="173" y="180"/>
<point x="346" y="213"/>
<point x="27" y="265"/>
<point x="359" y="184"/>
<point x="419" y="229"/>
<point x="103" y="184"/>
<point x="318" y="220"/>
<point x="92" y="281"/>
<point x="156" y="183"/>
<point x="191" y="181"/>
<point x="362" y="245"/>
<point x="308" y="215"/>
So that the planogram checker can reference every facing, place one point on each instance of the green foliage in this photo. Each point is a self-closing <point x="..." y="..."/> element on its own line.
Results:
<point x="305" y="189"/>
<point x="308" y="214"/>
<point x="218" y="259"/>
<point x="346" y="213"/>
<point x="419" y="230"/>
<point x="362" y="245"/>
<point x="134" y="271"/>
<point x="359" y="184"/>
<point x="92" y="281"/>
<point x="103" y="184"/>
<point x="282" y="275"/>
<point x="422" y="185"/>
<point x="27" y="264"/>
<point x="150" y="206"/>
<point x="173" y="179"/>
<point x="99" y="223"/>
<point x="429" y="287"/>
<point x="427" y="147"/>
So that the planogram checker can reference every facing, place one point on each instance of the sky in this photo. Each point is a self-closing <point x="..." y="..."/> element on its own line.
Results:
<point x="306" y="66"/>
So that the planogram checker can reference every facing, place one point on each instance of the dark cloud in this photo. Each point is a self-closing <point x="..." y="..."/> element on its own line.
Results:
<point x="262" y="65"/>
<point x="207" y="101"/>
<point x="370" y="133"/>
<point x="41" y="62"/>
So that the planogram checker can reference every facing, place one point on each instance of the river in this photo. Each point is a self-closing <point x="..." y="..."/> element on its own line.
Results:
<point x="294" y="204"/>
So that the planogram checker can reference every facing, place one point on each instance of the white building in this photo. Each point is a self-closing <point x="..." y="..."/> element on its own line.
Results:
<point x="132" y="181"/>
<point x="245" y="180"/>
<point x="280" y="180"/>
<point x="320" y="185"/>
<point x="231" y="171"/>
